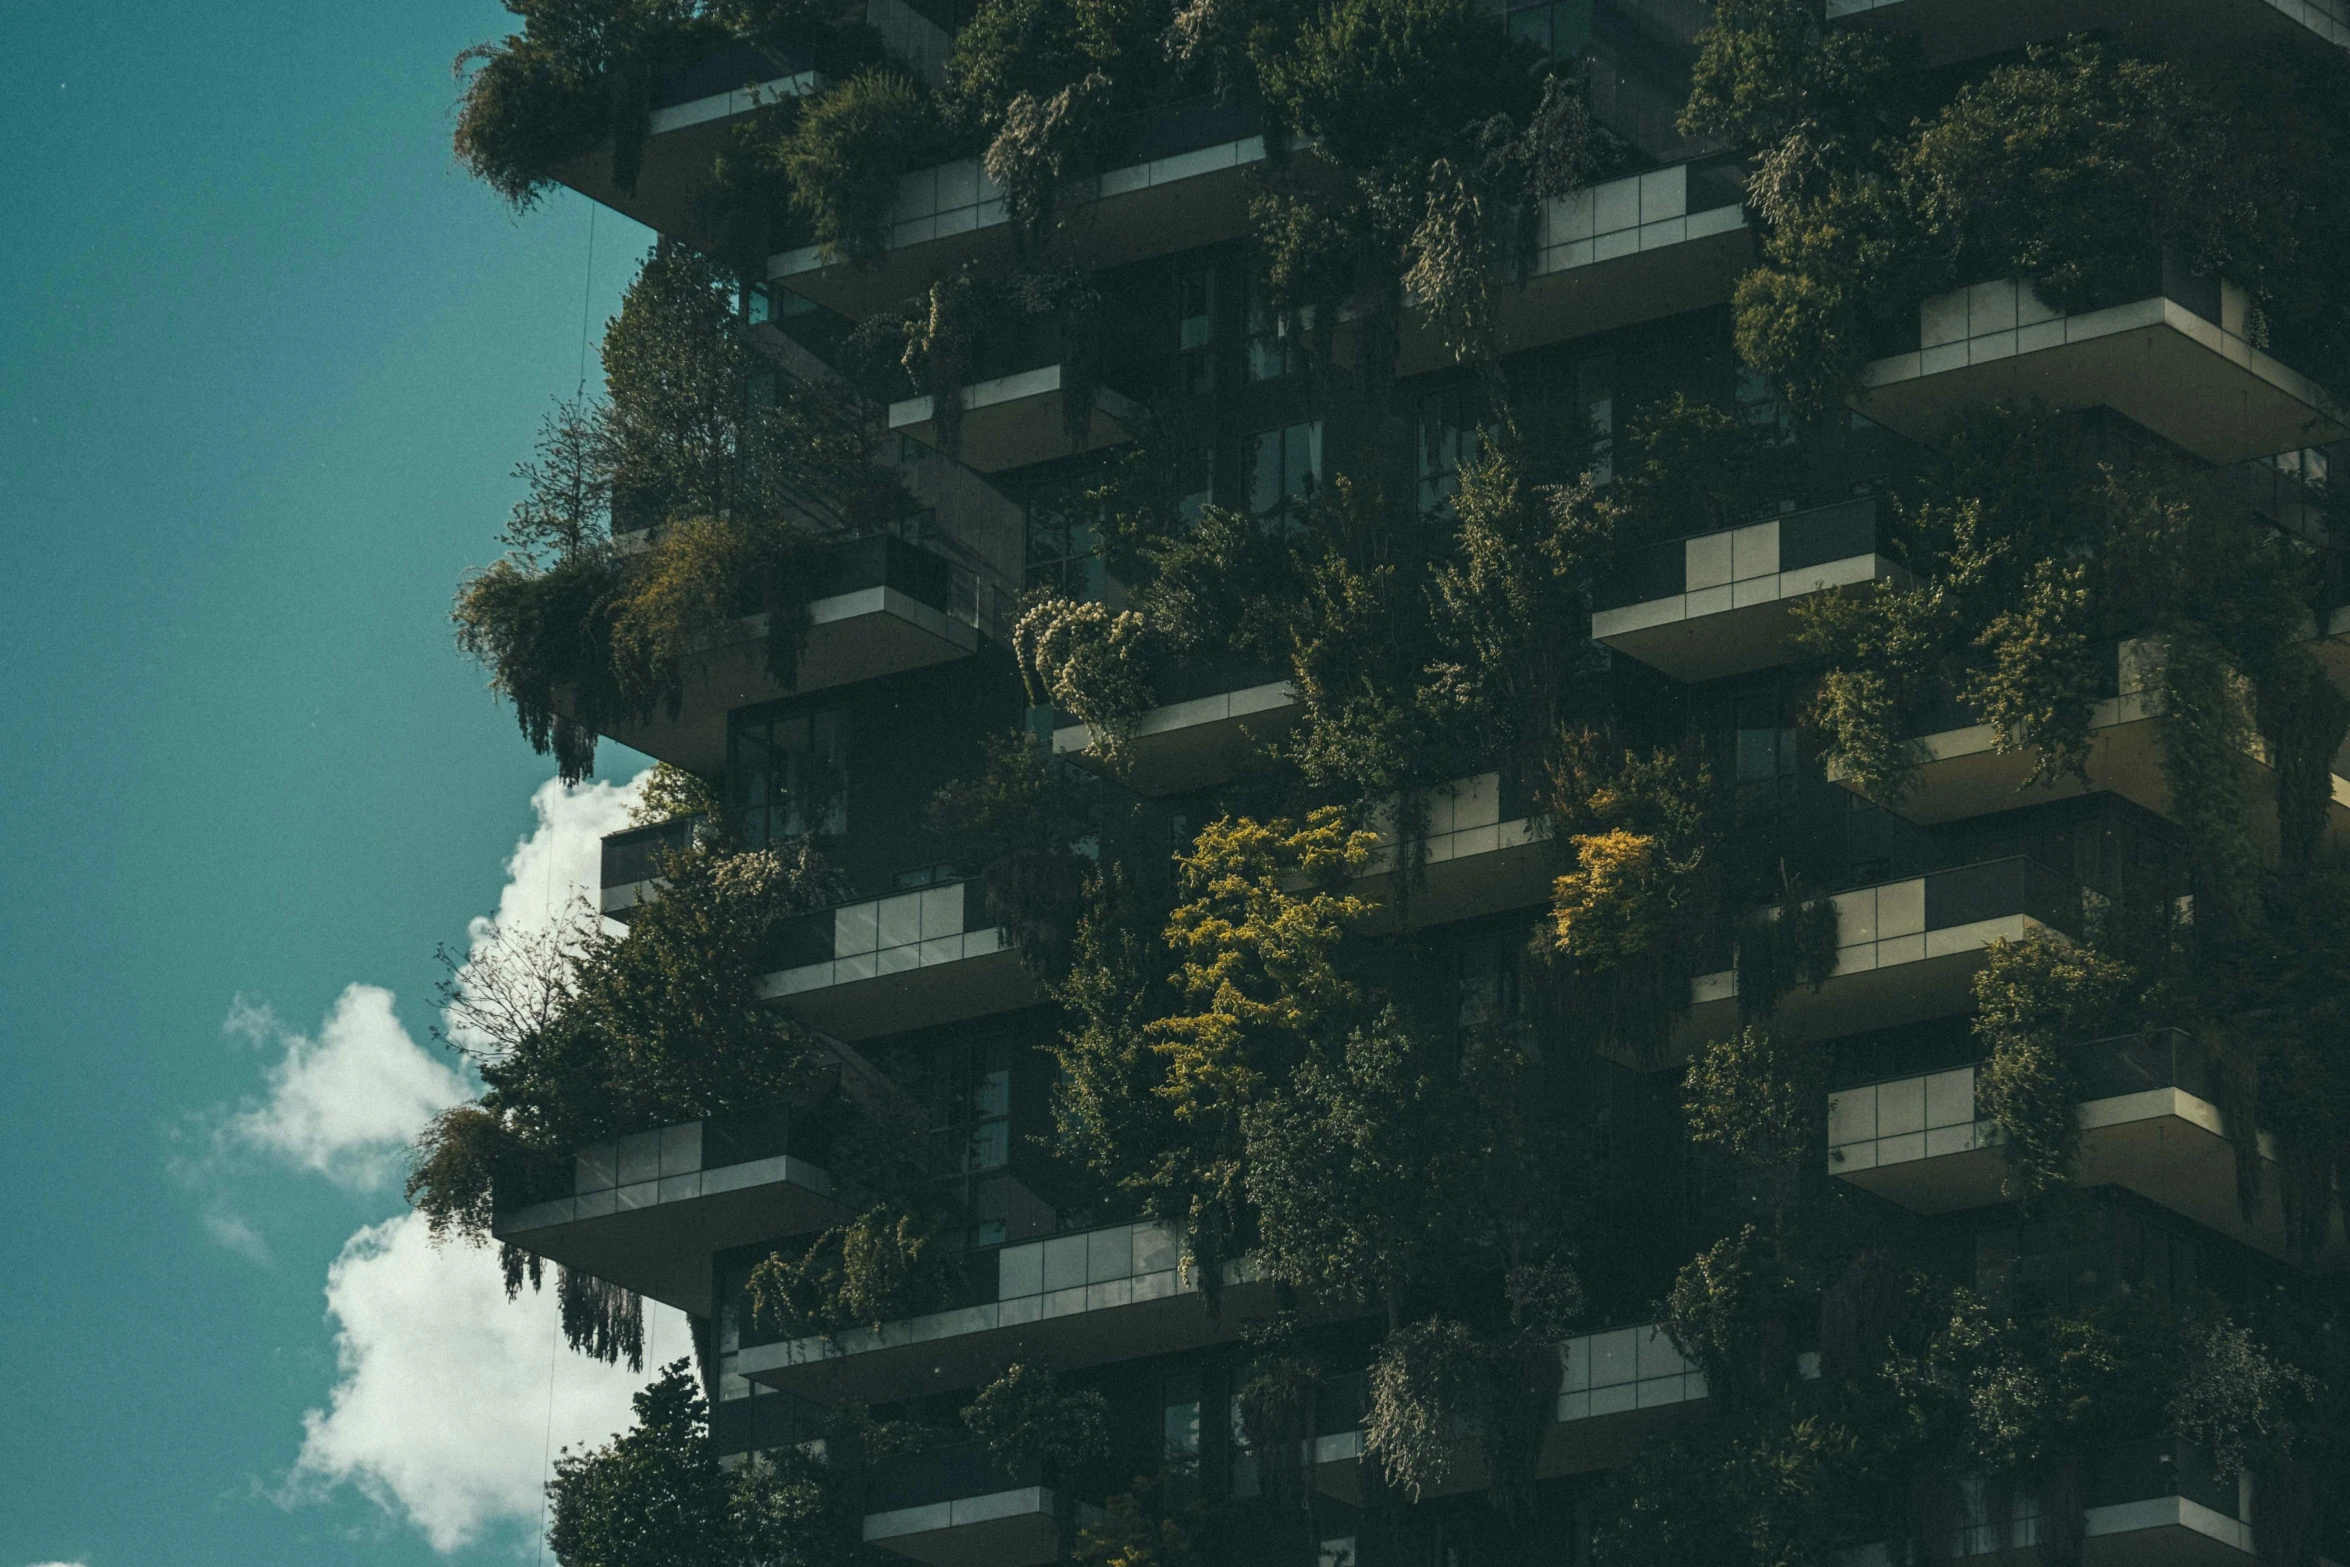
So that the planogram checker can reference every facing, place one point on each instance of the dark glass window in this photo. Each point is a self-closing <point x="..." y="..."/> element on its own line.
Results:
<point x="788" y="777"/>
<point x="1276" y="338"/>
<point x="1195" y="331"/>
<point x="1179" y="1433"/>
<point x="1062" y="558"/>
<point x="1559" y="28"/>
<point x="1284" y="468"/>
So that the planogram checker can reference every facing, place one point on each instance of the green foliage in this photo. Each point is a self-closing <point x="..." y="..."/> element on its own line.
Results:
<point x="1758" y="1098"/>
<point x="1370" y="80"/>
<point x="657" y="1496"/>
<point x="1427" y="1387"/>
<point x="1343" y="1165"/>
<point x="1023" y="821"/>
<point x="660" y="1025"/>
<point x="1024" y="1417"/>
<point x="881" y="1265"/>
<point x="1090" y="662"/>
<point x="583" y="635"/>
<point x="2074" y="167"/>
<point x="1773" y="1494"/>
<point x="576" y="74"/>
<point x="845" y="155"/>
<point x="2035" y="999"/>
<point x="2234" y="1397"/>
<point x="1785" y="946"/>
<point x="673" y="794"/>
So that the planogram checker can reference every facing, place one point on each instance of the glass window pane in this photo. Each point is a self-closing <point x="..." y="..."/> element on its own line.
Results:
<point x="1264" y="485"/>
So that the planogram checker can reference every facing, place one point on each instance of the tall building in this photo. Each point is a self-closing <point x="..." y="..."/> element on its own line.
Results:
<point x="1636" y="717"/>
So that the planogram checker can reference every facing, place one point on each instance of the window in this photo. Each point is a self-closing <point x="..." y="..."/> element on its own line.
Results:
<point x="1276" y="338"/>
<point x="1061" y="554"/>
<point x="986" y="1233"/>
<point x="1179" y="1433"/>
<point x="968" y="1087"/>
<point x="1195" y="331"/>
<point x="788" y="777"/>
<point x="1595" y="408"/>
<point x="1284" y="468"/>
<point x="1763" y="755"/>
<point x="1559" y="28"/>
<point x="1449" y="429"/>
<point x="1247" y="1478"/>
<point x="1488" y="979"/>
<point x="1764" y="412"/>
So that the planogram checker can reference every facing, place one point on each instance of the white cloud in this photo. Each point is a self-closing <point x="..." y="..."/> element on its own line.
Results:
<point x="441" y="1414"/>
<point x="348" y="1102"/>
<point x="556" y="868"/>
<point x="236" y="1233"/>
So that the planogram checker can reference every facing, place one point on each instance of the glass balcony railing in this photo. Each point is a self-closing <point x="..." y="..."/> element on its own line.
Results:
<point x="666" y="1164"/>
<point x="635" y="855"/>
<point x="1774" y="545"/>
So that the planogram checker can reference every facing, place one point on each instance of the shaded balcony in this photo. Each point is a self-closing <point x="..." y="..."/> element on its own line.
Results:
<point x="696" y="116"/>
<point x="1720" y="603"/>
<point x="2177" y="361"/>
<point x="651" y="1210"/>
<point x="1179" y="180"/>
<point x="1969" y="29"/>
<point x="1010" y="421"/>
<point x="955" y="1506"/>
<point x="1905" y="950"/>
<point x="2150" y="1120"/>
<point x="880" y="605"/>
<point x="1213" y="717"/>
<point x="1962" y="772"/>
<point x="1069" y="1301"/>
<point x="909" y="960"/>
<point x="1627" y="250"/>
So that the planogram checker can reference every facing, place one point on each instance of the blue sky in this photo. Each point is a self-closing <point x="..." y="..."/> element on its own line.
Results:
<point x="266" y="361"/>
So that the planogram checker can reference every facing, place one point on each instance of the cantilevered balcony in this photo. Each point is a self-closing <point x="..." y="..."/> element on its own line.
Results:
<point x="1963" y="773"/>
<point x="909" y="960"/>
<point x="880" y="606"/>
<point x="696" y="115"/>
<point x="1615" y="1387"/>
<point x="631" y="862"/>
<point x="1720" y="603"/>
<point x="1969" y="29"/>
<point x="2177" y="362"/>
<point x="1010" y="421"/>
<point x="2149" y="1117"/>
<point x="954" y="1506"/>
<point x="1183" y="182"/>
<point x="649" y="1211"/>
<point x="1070" y="1300"/>
<point x="1905" y="950"/>
<point x="1212" y="719"/>
<point x="1628" y="250"/>
<point x="1480" y="848"/>
<point x="2155" y="1502"/>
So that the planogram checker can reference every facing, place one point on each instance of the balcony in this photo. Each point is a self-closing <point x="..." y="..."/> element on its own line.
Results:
<point x="2149" y="1117"/>
<point x="1485" y="849"/>
<point x="2148" y="1501"/>
<point x="1071" y="1300"/>
<point x="880" y="606"/>
<point x="909" y="960"/>
<point x="1905" y="950"/>
<point x="1186" y="185"/>
<point x="1969" y="29"/>
<point x="2177" y="363"/>
<point x="1720" y="603"/>
<point x="1615" y="1387"/>
<point x="631" y="862"/>
<point x="1191" y="741"/>
<point x="649" y="1211"/>
<point x="695" y="117"/>
<point x="1628" y="250"/>
<point x="954" y="1506"/>
<point x="1963" y="773"/>
<point x="1014" y="420"/>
